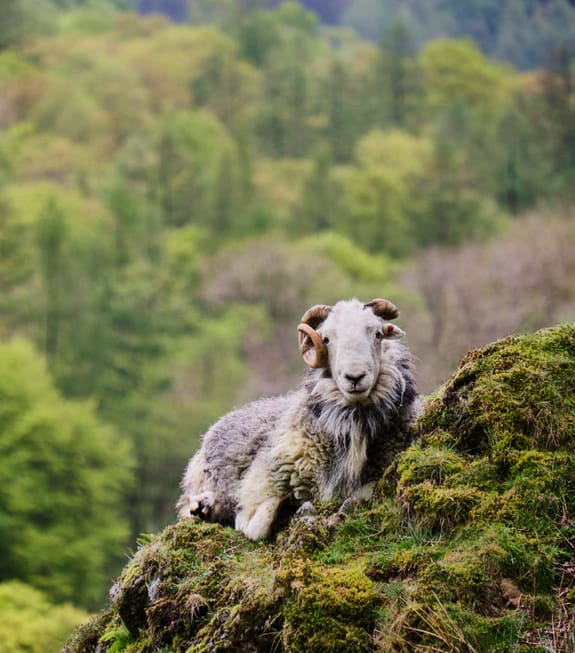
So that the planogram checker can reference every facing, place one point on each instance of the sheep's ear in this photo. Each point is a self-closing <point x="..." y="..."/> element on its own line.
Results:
<point x="392" y="332"/>
<point x="311" y="346"/>
<point x="383" y="308"/>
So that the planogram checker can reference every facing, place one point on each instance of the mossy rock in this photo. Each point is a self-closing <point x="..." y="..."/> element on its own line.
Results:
<point x="468" y="545"/>
<point x="517" y="393"/>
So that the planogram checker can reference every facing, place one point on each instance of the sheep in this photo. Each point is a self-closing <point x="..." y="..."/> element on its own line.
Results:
<point x="328" y="440"/>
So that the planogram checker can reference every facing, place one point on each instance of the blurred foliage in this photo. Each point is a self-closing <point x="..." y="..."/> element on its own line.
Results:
<point x="514" y="30"/>
<point x="173" y="197"/>
<point x="62" y="478"/>
<point x="28" y="622"/>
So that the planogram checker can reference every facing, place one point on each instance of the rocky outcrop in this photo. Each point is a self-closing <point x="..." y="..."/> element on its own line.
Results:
<point x="468" y="545"/>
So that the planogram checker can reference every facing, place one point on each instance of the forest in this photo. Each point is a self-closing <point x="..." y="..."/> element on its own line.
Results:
<point x="173" y="196"/>
<point x="512" y="30"/>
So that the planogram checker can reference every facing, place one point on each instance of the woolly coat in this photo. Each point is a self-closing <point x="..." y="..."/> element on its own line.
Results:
<point x="308" y="444"/>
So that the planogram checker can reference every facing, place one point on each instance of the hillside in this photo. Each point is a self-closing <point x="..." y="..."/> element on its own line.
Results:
<point x="467" y="547"/>
<point x="174" y="196"/>
<point x="523" y="33"/>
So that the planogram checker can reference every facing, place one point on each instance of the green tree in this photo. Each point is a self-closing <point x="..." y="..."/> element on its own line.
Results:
<point x="321" y="197"/>
<point x="380" y="191"/>
<point x="69" y="111"/>
<point x="344" y="108"/>
<point x="528" y="32"/>
<point x="74" y="262"/>
<point x="191" y="150"/>
<point x="16" y="265"/>
<point x="258" y="34"/>
<point x="51" y="237"/>
<point x="18" y="18"/>
<point x="21" y="85"/>
<point x="455" y="72"/>
<point x="29" y="622"/>
<point x="283" y="123"/>
<point x="517" y="160"/>
<point x="559" y="118"/>
<point x="448" y="209"/>
<point x="62" y="478"/>
<point x="368" y="17"/>
<point x="397" y="83"/>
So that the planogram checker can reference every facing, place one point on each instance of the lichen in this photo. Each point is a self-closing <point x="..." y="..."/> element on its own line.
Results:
<point x="468" y="545"/>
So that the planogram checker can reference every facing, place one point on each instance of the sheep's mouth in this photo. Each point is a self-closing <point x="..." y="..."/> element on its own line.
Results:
<point x="356" y="395"/>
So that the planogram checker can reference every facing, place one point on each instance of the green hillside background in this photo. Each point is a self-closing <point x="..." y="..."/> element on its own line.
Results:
<point x="174" y="195"/>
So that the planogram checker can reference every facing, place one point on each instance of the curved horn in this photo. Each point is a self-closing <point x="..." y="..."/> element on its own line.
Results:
<point x="315" y="315"/>
<point x="383" y="308"/>
<point x="311" y="346"/>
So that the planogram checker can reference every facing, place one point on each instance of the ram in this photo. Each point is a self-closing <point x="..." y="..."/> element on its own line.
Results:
<point x="328" y="440"/>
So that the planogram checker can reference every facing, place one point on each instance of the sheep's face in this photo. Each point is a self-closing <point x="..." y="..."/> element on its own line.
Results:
<point x="352" y="341"/>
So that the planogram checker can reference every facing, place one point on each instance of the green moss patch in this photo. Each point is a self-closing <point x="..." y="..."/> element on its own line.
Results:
<point x="516" y="393"/>
<point x="469" y="544"/>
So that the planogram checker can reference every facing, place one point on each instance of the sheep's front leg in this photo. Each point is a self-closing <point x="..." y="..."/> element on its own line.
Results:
<point x="360" y="496"/>
<point x="256" y="524"/>
<point x="258" y="501"/>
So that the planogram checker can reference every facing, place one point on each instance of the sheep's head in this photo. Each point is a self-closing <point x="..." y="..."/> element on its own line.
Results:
<point x="348" y="340"/>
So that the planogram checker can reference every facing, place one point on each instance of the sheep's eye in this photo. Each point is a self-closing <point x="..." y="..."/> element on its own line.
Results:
<point x="378" y="335"/>
<point x="326" y="340"/>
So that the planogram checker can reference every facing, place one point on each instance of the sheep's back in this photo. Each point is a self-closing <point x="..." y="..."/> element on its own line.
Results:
<point x="232" y="443"/>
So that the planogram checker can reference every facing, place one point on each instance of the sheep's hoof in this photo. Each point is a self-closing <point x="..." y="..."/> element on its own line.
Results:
<point x="350" y="505"/>
<point x="306" y="514"/>
<point x="335" y="519"/>
<point x="306" y="509"/>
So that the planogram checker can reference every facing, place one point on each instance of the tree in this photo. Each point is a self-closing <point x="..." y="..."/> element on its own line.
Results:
<point x="528" y="32"/>
<point x="478" y="293"/>
<point x="51" y="243"/>
<point x="397" y="78"/>
<point x="448" y="209"/>
<point x="258" y="34"/>
<point x="18" y="18"/>
<point x="29" y="622"/>
<point x="343" y="108"/>
<point x="517" y="161"/>
<point x="283" y="123"/>
<point x="559" y="115"/>
<point x="62" y="477"/>
<point x="455" y="72"/>
<point x="192" y="149"/>
<point x="380" y="191"/>
<point x="321" y="197"/>
<point x="21" y="86"/>
<point x="16" y="264"/>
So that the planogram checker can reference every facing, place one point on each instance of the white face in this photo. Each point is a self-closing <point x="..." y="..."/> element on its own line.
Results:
<point x="355" y="338"/>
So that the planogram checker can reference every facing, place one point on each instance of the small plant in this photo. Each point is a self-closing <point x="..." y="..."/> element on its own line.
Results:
<point x="121" y="638"/>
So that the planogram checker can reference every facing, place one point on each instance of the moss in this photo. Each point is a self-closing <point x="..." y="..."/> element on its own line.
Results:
<point x="435" y="465"/>
<point x="250" y="624"/>
<point x="439" y="508"/>
<point x="87" y="635"/>
<point x="468" y="545"/>
<point x="515" y="393"/>
<point x="331" y="609"/>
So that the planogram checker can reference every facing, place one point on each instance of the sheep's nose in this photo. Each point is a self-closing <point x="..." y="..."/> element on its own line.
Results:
<point x="355" y="379"/>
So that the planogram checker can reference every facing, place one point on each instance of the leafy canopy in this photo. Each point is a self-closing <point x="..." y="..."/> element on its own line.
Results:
<point x="62" y="474"/>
